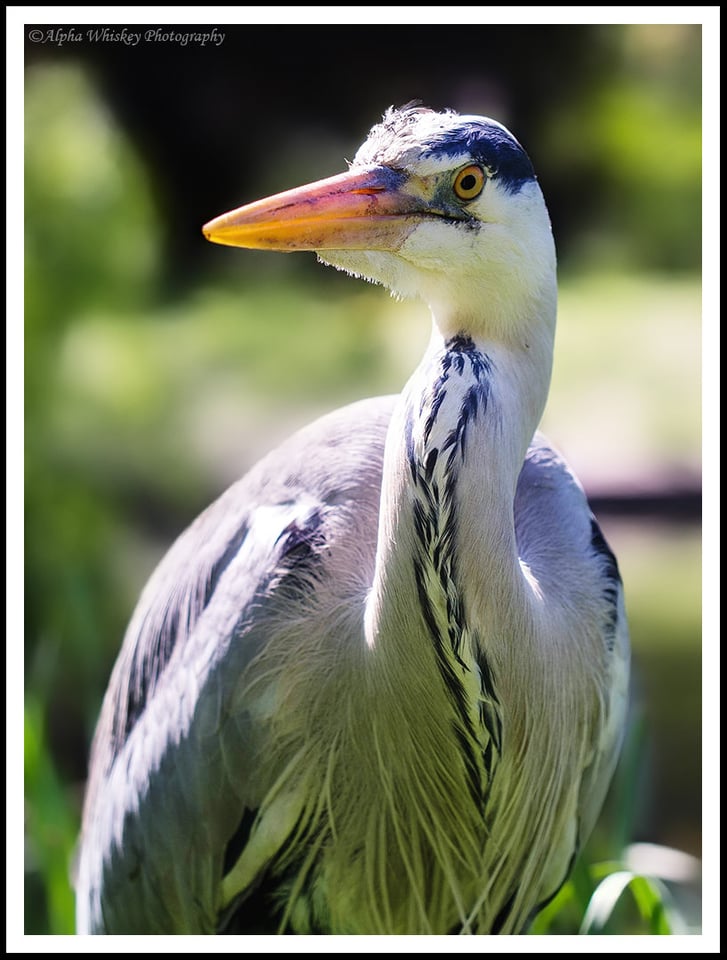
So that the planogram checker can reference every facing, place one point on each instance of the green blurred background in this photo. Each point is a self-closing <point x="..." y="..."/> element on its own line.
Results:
<point x="158" y="367"/>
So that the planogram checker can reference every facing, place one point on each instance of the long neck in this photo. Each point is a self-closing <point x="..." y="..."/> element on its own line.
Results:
<point x="447" y="553"/>
<point x="447" y="599"/>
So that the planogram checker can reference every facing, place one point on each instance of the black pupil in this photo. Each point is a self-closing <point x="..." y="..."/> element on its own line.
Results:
<point x="468" y="182"/>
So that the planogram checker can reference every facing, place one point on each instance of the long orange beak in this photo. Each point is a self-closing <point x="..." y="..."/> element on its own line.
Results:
<point x="360" y="210"/>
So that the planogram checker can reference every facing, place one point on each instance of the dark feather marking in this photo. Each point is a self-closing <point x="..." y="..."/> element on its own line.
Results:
<point x="260" y="908"/>
<point x="486" y="680"/>
<point x="488" y="758"/>
<point x="430" y="464"/>
<point x="502" y="915"/>
<point x="437" y="561"/>
<point x="258" y="913"/>
<point x="223" y="561"/>
<point x="434" y="514"/>
<point x="445" y="666"/>
<point x="465" y="734"/>
<point x="299" y="543"/>
<point x="457" y="345"/>
<point x="465" y="739"/>
<point x="439" y="394"/>
<point x="301" y="538"/>
<point x="613" y="580"/>
<point x="148" y="660"/>
<point x="237" y="842"/>
<point x="450" y="486"/>
<point x="544" y="903"/>
<point x="422" y="523"/>
<point x="409" y="442"/>
<point x="493" y="147"/>
<point x="481" y="140"/>
<point x="492" y="722"/>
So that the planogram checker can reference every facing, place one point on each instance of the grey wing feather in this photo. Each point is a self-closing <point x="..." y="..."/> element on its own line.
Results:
<point x="174" y="763"/>
<point x="560" y="541"/>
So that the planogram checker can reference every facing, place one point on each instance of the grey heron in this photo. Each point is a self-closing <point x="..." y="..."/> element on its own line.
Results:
<point x="379" y="686"/>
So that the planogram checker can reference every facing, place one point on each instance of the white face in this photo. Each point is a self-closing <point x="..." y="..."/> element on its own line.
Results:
<point x="490" y="256"/>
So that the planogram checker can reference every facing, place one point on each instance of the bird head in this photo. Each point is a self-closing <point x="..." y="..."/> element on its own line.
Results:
<point x="440" y="206"/>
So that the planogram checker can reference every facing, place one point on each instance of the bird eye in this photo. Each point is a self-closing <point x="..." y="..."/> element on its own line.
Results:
<point x="469" y="182"/>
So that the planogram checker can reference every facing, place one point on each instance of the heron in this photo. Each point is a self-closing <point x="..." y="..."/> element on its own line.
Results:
<point x="380" y="685"/>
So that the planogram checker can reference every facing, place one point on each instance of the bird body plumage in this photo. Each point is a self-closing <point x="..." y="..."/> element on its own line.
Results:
<point x="379" y="686"/>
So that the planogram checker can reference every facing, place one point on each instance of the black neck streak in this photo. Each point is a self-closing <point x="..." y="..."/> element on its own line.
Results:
<point x="456" y="397"/>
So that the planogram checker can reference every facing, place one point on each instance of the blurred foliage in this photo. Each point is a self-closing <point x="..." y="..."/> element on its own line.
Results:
<point x="140" y="408"/>
<point x="637" y="140"/>
<point x="52" y="827"/>
<point x="89" y="241"/>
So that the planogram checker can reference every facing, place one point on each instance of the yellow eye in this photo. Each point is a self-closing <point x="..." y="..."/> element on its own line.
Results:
<point x="469" y="182"/>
